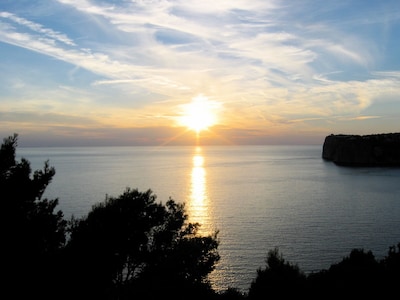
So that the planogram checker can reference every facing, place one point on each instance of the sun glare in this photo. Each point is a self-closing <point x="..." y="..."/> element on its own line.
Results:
<point x="199" y="114"/>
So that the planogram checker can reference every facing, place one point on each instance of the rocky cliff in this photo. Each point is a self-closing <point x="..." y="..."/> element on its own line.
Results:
<point x="363" y="150"/>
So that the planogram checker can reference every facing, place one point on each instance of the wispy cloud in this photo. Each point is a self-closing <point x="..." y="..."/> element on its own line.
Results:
<point x="362" y="118"/>
<point x="45" y="33"/>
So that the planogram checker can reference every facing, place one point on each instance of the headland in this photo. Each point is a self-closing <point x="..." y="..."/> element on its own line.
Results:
<point x="375" y="150"/>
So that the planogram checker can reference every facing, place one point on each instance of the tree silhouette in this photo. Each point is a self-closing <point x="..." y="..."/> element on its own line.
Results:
<point x="358" y="275"/>
<point x="32" y="232"/>
<point x="391" y="266"/>
<point x="133" y="246"/>
<point x="278" y="279"/>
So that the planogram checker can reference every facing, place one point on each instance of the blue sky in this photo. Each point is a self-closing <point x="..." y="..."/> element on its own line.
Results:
<point x="90" y="72"/>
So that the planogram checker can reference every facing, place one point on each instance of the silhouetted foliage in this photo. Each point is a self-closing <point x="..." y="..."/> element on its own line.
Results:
<point x="279" y="278"/>
<point x="232" y="294"/>
<point x="133" y="246"/>
<point x="32" y="231"/>
<point x="391" y="266"/>
<point x="358" y="275"/>
<point x="391" y="262"/>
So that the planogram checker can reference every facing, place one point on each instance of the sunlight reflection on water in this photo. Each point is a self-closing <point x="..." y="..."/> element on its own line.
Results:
<point x="198" y="205"/>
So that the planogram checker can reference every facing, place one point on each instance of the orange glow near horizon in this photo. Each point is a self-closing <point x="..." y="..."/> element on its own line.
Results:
<point x="199" y="114"/>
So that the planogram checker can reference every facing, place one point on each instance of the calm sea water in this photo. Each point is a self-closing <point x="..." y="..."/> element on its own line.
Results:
<point x="258" y="197"/>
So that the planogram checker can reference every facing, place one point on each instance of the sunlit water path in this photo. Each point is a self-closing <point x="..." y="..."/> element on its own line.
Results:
<point x="258" y="197"/>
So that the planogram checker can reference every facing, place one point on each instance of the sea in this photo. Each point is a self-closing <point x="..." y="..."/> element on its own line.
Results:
<point x="258" y="198"/>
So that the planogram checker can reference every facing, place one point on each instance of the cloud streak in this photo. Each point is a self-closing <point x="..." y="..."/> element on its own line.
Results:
<point x="50" y="35"/>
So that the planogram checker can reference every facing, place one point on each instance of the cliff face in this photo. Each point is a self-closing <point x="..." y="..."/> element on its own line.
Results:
<point x="363" y="150"/>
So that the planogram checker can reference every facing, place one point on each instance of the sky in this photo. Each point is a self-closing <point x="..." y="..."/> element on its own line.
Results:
<point x="127" y="72"/>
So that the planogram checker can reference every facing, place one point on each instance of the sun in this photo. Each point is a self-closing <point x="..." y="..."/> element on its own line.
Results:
<point x="199" y="114"/>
